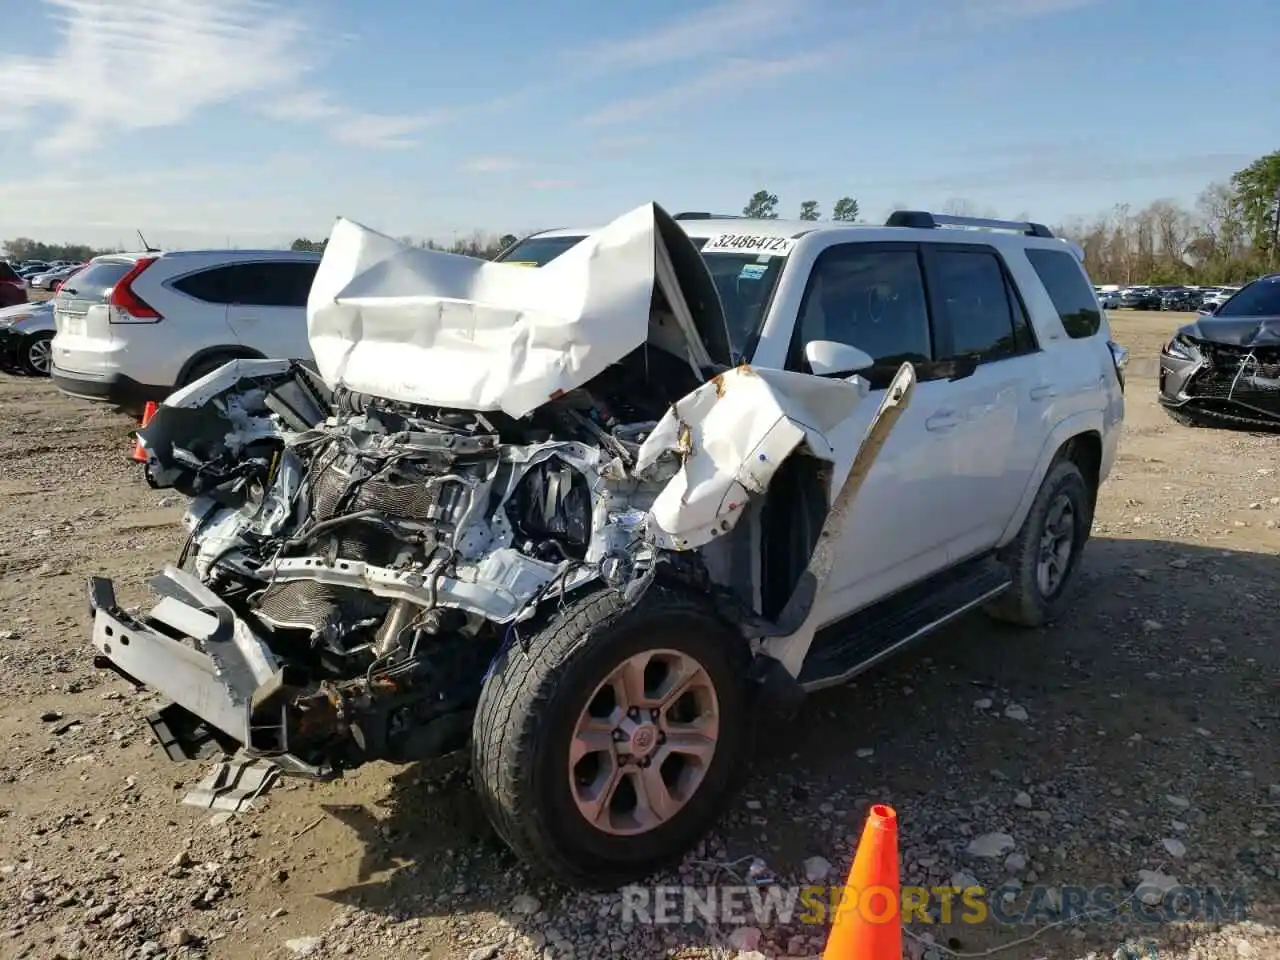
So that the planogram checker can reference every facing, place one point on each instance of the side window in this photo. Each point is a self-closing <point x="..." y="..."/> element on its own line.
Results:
<point x="270" y="283"/>
<point x="1072" y="298"/>
<point x="869" y="298"/>
<point x="970" y="287"/>
<point x="211" y="286"/>
<point x="1024" y="340"/>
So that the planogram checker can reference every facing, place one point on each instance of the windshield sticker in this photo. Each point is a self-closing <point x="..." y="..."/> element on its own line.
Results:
<point x="746" y="243"/>
<point x="752" y="271"/>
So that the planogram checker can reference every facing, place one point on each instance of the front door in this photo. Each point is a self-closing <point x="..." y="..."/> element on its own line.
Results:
<point x="872" y="296"/>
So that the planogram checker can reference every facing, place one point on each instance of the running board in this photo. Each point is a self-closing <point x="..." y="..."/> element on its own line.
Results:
<point x="845" y="649"/>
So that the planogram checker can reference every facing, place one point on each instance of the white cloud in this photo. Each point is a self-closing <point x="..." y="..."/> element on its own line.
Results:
<point x="732" y="75"/>
<point x="346" y="125"/>
<point x="122" y="65"/>
<point x="711" y="30"/>
<point x="492" y="165"/>
<point x="1020" y="9"/>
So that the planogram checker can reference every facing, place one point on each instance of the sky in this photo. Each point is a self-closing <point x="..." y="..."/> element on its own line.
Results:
<point x="251" y="122"/>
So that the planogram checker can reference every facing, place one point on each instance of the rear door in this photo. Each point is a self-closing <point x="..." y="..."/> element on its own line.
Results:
<point x="267" y="306"/>
<point x="982" y="331"/>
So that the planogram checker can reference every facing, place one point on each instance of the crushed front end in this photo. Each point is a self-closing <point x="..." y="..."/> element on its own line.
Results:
<point x="367" y="538"/>
<point x="1233" y="382"/>
<point x="353" y="564"/>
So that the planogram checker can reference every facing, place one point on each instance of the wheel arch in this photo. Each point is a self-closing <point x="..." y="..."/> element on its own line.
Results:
<point x="231" y="351"/>
<point x="1077" y="438"/>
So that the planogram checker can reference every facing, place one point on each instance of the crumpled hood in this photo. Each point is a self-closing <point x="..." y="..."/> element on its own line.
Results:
<point x="1235" y="331"/>
<point x="439" y="329"/>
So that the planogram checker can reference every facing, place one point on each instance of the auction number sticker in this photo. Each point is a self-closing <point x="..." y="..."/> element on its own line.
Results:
<point x="749" y="243"/>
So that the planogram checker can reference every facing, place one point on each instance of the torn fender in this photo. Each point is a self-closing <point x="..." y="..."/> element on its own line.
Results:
<point x="731" y="435"/>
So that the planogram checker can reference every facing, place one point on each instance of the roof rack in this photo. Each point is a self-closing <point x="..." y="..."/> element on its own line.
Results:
<point x="923" y="220"/>
<point x="703" y="215"/>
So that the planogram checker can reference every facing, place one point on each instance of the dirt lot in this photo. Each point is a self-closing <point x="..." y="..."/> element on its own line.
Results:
<point x="1146" y="740"/>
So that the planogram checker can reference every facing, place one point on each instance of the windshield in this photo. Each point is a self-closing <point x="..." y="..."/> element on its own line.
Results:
<point x="745" y="281"/>
<point x="1259" y="299"/>
<point x="537" y="251"/>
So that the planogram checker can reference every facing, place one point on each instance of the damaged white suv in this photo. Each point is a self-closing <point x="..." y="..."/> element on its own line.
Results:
<point x="594" y="518"/>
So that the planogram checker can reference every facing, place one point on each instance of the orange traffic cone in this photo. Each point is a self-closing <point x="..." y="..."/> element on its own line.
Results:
<point x="868" y="921"/>
<point x="148" y="412"/>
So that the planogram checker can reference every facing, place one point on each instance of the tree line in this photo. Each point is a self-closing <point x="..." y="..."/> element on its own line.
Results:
<point x="1230" y="235"/>
<point x="763" y="205"/>
<point x="24" y="248"/>
<point x="478" y="244"/>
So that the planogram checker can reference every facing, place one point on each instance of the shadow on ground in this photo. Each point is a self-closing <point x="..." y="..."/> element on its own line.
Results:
<point x="1152" y="713"/>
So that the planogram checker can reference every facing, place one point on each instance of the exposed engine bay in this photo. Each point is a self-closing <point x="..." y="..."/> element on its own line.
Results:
<point x="393" y="547"/>
<point x="355" y="559"/>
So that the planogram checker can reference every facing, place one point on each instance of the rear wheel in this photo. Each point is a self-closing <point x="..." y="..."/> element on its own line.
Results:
<point x="606" y="744"/>
<point x="37" y="354"/>
<point x="206" y="365"/>
<point x="1044" y="558"/>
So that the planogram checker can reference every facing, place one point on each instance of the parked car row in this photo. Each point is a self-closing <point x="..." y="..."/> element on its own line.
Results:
<point x="45" y="275"/>
<point x="1183" y="298"/>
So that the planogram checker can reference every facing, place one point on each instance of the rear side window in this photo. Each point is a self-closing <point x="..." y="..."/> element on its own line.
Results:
<point x="1072" y="298"/>
<point x="280" y="283"/>
<point x="970" y="287"/>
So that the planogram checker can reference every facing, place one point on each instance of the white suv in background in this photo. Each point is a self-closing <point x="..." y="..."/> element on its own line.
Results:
<point x="133" y="327"/>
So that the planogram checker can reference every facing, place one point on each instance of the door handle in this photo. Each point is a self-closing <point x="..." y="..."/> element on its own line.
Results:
<point x="942" y="420"/>
<point x="1043" y="393"/>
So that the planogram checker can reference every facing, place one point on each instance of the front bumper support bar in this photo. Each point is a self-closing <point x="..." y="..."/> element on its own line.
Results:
<point x="192" y="649"/>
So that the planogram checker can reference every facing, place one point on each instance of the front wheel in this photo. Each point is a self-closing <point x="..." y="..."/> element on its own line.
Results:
<point x="1044" y="558"/>
<point x="607" y="741"/>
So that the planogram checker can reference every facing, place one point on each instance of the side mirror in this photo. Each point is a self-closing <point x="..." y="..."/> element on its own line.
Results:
<point x="828" y="358"/>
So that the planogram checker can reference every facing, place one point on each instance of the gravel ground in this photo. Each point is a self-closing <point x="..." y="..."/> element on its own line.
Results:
<point x="1137" y="734"/>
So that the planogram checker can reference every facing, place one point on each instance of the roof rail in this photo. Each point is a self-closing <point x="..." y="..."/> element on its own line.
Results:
<point x="923" y="220"/>
<point x="703" y="215"/>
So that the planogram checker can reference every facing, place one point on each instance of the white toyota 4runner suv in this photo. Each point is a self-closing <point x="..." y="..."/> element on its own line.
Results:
<point x="591" y="520"/>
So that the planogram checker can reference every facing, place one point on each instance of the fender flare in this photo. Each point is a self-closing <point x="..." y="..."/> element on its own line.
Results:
<point x="232" y="351"/>
<point x="1087" y="421"/>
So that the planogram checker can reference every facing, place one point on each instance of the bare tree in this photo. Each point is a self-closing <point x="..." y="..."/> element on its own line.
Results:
<point x="959" y="207"/>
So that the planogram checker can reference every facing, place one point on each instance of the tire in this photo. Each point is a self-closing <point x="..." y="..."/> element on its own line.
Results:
<point x="37" y="355"/>
<point x="206" y="365"/>
<point x="1027" y="602"/>
<point x="537" y="693"/>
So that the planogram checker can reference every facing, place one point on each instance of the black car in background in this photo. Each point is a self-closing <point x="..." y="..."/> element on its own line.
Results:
<point x="1223" y="369"/>
<point x="1140" y="298"/>
<point x="1180" y="299"/>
